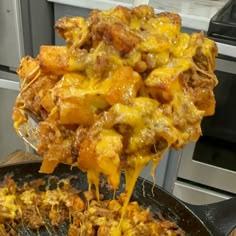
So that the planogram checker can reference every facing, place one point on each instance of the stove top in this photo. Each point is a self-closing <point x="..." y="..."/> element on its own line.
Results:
<point x="222" y="27"/>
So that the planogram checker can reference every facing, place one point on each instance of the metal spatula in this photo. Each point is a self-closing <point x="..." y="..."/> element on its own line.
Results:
<point x="28" y="131"/>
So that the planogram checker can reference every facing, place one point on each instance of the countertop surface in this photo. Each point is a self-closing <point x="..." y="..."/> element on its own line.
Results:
<point x="196" y="14"/>
<point x="19" y="156"/>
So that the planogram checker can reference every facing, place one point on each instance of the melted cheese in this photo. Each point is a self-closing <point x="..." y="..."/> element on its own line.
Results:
<point x="128" y="86"/>
<point x="131" y="175"/>
<point x="8" y="208"/>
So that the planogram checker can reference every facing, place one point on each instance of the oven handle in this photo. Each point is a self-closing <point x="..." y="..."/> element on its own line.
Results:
<point x="9" y="84"/>
<point x="220" y="217"/>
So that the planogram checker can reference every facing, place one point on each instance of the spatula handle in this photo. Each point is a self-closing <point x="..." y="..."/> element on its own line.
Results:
<point x="220" y="217"/>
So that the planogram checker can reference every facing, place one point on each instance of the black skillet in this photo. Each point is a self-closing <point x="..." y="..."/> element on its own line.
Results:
<point x="209" y="220"/>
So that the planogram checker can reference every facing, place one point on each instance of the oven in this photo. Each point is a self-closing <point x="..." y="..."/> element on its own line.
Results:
<point x="24" y="26"/>
<point x="207" y="168"/>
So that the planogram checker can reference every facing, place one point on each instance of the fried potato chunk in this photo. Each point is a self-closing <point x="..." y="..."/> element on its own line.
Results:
<point x="74" y="30"/>
<point x="125" y="85"/>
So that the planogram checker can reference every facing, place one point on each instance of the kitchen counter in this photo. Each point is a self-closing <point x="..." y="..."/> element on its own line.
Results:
<point x="19" y="156"/>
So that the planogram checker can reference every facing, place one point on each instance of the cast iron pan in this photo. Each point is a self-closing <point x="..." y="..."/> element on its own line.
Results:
<point x="209" y="220"/>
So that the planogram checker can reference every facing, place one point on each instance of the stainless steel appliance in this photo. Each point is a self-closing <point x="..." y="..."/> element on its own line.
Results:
<point x="207" y="169"/>
<point x="24" y="26"/>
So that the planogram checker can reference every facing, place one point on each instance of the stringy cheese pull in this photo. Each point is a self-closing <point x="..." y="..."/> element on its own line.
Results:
<point x="102" y="156"/>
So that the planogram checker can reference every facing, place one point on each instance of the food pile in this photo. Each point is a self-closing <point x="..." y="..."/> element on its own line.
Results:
<point x="126" y="86"/>
<point x="40" y="208"/>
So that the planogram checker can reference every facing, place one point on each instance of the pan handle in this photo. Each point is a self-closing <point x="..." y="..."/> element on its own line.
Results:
<point x="220" y="217"/>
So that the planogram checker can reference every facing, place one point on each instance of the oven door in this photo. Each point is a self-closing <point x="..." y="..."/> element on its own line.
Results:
<point x="211" y="161"/>
<point x="205" y="174"/>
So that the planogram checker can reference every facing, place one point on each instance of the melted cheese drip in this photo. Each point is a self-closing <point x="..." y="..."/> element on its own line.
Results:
<point x="131" y="175"/>
<point x="93" y="178"/>
<point x="155" y="163"/>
